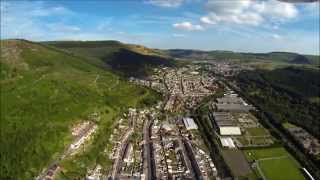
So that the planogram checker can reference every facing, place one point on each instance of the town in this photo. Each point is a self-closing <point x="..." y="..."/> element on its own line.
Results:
<point x="167" y="140"/>
<point x="173" y="147"/>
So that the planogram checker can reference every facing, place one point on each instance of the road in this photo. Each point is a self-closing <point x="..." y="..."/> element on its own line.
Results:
<point x="185" y="157"/>
<point x="120" y="152"/>
<point x="192" y="159"/>
<point x="148" y="161"/>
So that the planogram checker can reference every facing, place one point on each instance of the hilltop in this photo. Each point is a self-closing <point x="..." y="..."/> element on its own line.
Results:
<point x="278" y="57"/>
<point x="126" y="59"/>
<point x="45" y="91"/>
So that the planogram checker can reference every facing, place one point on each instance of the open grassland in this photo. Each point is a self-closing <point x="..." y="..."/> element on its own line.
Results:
<point x="43" y="93"/>
<point x="275" y="163"/>
<point x="256" y="154"/>
<point x="257" y="131"/>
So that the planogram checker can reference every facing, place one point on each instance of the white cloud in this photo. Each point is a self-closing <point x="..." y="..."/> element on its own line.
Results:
<point x="179" y="35"/>
<point x="248" y="18"/>
<point x="165" y="3"/>
<point x="276" y="36"/>
<point x="188" y="26"/>
<point x="105" y="25"/>
<point x="276" y="9"/>
<point x="248" y="12"/>
<point x="59" y="27"/>
<point x="227" y="7"/>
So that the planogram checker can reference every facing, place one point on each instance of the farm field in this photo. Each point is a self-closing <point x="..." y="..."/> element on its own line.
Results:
<point x="273" y="162"/>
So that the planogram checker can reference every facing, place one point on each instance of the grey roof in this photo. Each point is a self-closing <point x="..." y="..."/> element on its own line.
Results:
<point x="236" y="100"/>
<point x="233" y="107"/>
<point x="224" y="119"/>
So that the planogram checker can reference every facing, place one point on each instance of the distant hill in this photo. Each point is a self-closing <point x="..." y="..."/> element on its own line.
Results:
<point x="44" y="91"/>
<point x="284" y="57"/>
<point x="127" y="59"/>
<point x="300" y="60"/>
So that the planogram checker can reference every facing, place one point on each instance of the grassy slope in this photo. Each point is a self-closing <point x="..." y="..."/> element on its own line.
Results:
<point x="43" y="92"/>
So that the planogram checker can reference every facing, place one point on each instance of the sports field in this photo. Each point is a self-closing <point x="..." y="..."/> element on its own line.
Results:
<point x="274" y="163"/>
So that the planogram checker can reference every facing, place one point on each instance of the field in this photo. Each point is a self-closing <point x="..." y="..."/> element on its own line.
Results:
<point x="257" y="131"/>
<point x="273" y="162"/>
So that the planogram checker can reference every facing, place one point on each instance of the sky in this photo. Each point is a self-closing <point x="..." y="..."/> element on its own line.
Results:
<point x="236" y="25"/>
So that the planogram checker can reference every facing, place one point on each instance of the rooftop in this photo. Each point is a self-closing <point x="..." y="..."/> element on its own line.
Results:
<point x="189" y="123"/>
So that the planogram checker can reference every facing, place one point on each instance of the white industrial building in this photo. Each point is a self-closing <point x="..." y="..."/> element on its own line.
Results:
<point x="225" y="124"/>
<point x="229" y="130"/>
<point x="227" y="142"/>
<point x="189" y="123"/>
<point x="232" y="103"/>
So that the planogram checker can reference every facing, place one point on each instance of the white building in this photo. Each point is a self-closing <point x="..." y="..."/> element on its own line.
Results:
<point x="229" y="130"/>
<point x="189" y="123"/>
<point x="226" y="124"/>
<point x="227" y="142"/>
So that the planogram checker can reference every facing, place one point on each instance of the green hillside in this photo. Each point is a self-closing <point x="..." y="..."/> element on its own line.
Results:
<point x="126" y="59"/>
<point x="43" y="92"/>
<point x="288" y="95"/>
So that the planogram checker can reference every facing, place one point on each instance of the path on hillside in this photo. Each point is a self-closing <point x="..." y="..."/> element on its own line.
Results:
<point x="148" y="161"/>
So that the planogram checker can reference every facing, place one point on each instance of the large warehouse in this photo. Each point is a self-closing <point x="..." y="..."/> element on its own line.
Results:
<point x="225" y="123"/>
<point x="232" y="104"/>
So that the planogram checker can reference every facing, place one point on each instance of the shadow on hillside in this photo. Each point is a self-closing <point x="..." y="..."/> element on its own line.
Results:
<point x="130" y="63"/>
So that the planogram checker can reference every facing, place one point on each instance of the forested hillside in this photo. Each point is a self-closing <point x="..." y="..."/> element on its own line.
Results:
<point x="44" y="91"/>
<point x="290" y="94"/>
<point x="126" y="59"/>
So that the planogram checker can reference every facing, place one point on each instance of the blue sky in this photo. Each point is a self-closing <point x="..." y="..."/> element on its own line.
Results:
<point x="238" y="25"/>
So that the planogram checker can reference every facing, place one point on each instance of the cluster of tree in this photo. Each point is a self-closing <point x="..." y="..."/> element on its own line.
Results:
<point x="288" y="95"/>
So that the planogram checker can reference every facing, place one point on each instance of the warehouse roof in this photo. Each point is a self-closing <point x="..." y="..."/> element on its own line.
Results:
<point x="230" y="130"/>
<point x="227" y="142"/>
<point x="233" y="107"/>
<point x="237" y="100"/>
<point x="189" y="123"/>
